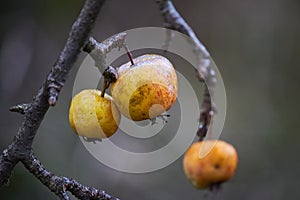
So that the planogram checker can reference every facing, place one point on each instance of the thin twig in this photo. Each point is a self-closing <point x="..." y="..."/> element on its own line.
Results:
<point x="206" y="73"/>
<point x="20" y="108"/>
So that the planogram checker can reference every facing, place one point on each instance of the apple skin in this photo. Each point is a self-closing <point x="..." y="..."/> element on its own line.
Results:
<point x="146" y="89"/>
<point x="210" y="162"/>
<point x="93" y="116"/>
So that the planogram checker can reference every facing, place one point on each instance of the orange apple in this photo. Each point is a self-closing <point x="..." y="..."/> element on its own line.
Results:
<point x="210" y="162"/>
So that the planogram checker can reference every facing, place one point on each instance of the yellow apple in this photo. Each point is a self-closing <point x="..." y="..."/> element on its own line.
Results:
<point x="93" y="116"/>
<point x="146" y="89"/>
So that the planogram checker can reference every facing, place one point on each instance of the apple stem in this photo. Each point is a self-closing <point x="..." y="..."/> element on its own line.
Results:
<point x="105" y="86"/>
<point x="110" y="75"/>
<point x="129" y="54"/>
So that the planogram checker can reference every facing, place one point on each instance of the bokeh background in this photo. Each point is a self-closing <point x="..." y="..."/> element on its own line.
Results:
<point x="256" y="47"/>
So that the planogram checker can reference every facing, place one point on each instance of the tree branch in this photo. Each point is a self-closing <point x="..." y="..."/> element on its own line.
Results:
<point x="98" y="51"/>
<point x="59" y="184"/>
<point x="77" y="39"/>
<point x="7" y="163"/>
<point x="206" y="73"/>
<point x="21" y="147"/>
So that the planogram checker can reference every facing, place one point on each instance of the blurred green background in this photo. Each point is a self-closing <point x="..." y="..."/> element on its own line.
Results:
<point x="256" y="47"/>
